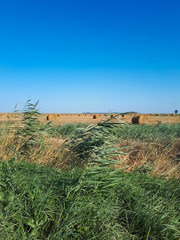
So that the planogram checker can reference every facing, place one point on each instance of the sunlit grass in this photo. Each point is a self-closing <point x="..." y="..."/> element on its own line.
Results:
<point x="88" y="181"/>
<point x="161" y="133"/>
<point x="96" y="203"/>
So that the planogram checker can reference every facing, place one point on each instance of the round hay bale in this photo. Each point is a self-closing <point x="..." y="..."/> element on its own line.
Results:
<point x="140" y="119"/>
<point x="51" y="117"/>
<point x="95" y="116"/>
<point x="113" y="115"/>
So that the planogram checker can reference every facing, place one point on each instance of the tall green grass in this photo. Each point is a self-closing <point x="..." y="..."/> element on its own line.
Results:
<point x="95" y="203"/>
<point x="160" y="133"/>
<point x="65" y="130"/>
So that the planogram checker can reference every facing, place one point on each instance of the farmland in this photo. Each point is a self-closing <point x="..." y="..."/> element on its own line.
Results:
<point x="63" y="118"/>
<point x="80" y="177"/>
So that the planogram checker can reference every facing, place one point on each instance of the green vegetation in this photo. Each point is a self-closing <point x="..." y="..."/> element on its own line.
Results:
<point x="160" y="133"/>
<point x="65" y="130"/>
<point x="79" y="190"/>
<point x="95" y="203"/>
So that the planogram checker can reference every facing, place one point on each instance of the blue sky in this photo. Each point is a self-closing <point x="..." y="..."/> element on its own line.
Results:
<point x="90" y="56"/>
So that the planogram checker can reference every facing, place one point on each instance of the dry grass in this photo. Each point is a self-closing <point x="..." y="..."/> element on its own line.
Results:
<point x="153" y="157"/>
<point x="9" y="145"/>
<point x="161" y="162"/>
<point x="49" y="152"/>
<point x="158" y="160"/>
<point x="48" y="156"/>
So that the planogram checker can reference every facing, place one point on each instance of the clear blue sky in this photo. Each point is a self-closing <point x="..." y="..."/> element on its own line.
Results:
<point x="96" y="56"/>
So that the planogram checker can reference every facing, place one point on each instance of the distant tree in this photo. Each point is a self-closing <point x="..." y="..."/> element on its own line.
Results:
<point x="176" y="111"/>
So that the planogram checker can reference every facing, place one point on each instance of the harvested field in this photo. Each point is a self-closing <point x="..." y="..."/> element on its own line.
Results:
<point x="62" y="118"/>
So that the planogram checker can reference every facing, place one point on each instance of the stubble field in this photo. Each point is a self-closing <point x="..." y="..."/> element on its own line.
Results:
<point x="66" y="118"/>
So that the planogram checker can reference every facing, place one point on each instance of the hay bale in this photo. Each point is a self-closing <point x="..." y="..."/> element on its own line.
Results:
<point x="113" y="115"/>
<point x="51" y="117"/>
<point x="95" y="116"/>
<point x="139" y="119"/>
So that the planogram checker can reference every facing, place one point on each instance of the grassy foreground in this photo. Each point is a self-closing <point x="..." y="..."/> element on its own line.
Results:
<point x="96" y="182"/>
<point x="38" y="202"/>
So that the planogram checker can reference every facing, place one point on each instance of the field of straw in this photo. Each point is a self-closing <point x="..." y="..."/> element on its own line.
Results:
<point x="58" y="118"/>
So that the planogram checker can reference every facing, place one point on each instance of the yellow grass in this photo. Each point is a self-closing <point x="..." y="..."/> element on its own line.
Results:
<point x="162" y="160"/>
<point x="140" y="154"/>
